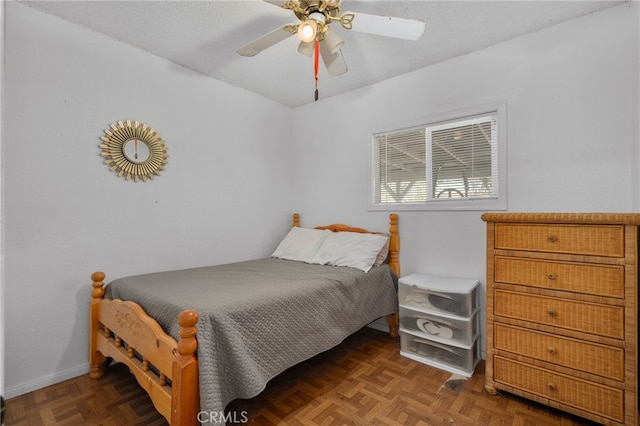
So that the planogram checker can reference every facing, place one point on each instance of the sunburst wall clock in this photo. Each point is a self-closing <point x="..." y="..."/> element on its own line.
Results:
<point x="133" y="150"/>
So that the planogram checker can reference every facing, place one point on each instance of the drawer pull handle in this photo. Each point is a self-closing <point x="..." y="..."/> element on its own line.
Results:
<point x="552" y="238"/>
<point x="552" y="276"/>
<point x="552" y="313"/>
<point x="551" y="386"/>
<point x="551" y="350"/>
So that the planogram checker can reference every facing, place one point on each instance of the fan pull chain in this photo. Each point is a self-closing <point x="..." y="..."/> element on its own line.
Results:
<point x="316" y="54"/>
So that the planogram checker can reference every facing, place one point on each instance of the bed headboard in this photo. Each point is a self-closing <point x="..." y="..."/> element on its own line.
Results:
<point x="394" y="237"/>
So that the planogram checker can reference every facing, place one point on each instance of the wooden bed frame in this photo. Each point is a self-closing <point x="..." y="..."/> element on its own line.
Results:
<point x="168" y="370"/>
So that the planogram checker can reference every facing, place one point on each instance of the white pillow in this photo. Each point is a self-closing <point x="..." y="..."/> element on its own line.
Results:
<point x="301" y="244"/>
<point x="384" y="253"/>
<point x="350" y="249"/>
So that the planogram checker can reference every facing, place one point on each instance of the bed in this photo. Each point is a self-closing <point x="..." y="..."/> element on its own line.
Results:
<point x="239" y="325"/>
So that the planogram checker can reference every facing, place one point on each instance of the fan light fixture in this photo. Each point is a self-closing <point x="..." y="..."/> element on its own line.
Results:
<point x="333" y="40"/>
<point x="306" y="48"/>
<point x="308" y="30"/>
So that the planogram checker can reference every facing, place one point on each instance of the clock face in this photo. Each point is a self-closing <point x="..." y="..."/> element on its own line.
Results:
<point x="136" y="150"/>
<point x="133" y="151"/>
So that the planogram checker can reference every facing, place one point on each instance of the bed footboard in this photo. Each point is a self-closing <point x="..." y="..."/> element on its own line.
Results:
<point x="166" y="369"/>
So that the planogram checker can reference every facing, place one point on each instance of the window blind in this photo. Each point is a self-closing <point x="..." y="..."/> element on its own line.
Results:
<point x="453" y="160"/>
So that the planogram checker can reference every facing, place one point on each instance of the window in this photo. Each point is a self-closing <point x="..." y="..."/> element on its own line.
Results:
<point x="442" y="165"/>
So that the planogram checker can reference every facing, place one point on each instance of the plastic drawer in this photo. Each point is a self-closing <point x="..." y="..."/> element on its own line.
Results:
<point x="456" y="296"/>
<point x="440" y="355"/>
<point x="448" y="329"/>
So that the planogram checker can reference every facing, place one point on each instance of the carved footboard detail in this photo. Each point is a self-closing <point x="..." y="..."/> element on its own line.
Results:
<point x="166" y="369"/>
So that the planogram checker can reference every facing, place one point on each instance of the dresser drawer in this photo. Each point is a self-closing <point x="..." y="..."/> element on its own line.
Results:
<point x="604" y="280"/>
<point x="603" y="240"/>
<point x="580" y="316"/>
<point x="584" y="395"/>
<point x="605" y="361"/>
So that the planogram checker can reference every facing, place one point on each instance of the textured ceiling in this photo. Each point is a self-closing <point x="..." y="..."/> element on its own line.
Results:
<point x="204" y="36"/>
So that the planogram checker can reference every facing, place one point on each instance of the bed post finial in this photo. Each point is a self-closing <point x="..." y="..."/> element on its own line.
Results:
<point x="98" y="285"/>
<point x="296" y="220"/>
<point x="188" y="344"/>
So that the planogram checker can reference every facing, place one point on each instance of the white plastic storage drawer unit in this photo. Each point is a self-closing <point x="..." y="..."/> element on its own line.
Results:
<point x="456" y="296"/>
<point x="440" y="321"/>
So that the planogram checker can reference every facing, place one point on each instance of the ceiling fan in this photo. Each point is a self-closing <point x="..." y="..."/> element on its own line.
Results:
<point x="315" y="32"/>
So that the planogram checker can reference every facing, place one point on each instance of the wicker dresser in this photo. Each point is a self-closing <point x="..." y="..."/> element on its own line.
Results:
<point x="562" y="311"/>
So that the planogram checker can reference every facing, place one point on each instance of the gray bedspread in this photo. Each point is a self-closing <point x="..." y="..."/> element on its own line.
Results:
<point x="260" y="317"/>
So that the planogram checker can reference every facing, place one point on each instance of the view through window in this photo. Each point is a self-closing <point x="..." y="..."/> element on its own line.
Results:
<point x="455" y="160"/>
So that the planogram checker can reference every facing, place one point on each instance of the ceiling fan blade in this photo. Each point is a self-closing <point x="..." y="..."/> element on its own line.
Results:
<point x="265" y="41"/>
<point x="334" y="62"/>
<point x="408" y="29"/>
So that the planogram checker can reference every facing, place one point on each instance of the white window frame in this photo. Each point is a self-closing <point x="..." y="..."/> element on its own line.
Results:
<point x="480" y="204"/>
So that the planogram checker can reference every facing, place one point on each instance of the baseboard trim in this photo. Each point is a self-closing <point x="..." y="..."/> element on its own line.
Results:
<point x="44" y="381"/>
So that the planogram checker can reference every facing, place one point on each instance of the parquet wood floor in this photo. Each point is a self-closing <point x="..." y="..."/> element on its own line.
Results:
<point x="363" y="381"/>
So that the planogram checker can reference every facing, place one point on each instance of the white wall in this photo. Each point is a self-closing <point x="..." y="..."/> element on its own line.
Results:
<point x="572" y="135"/>
<point x="225" y="194"/>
